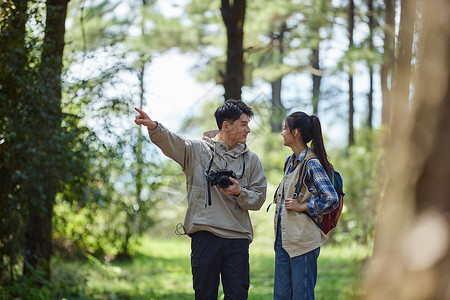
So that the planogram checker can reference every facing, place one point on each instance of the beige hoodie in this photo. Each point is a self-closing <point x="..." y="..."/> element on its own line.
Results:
<point x="227" y="216"/>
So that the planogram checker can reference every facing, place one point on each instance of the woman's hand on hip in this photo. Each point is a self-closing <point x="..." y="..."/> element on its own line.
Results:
<point x="294" y="205"/>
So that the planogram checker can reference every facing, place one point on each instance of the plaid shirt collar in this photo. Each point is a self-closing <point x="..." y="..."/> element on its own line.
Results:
<point x="300" y="158"/>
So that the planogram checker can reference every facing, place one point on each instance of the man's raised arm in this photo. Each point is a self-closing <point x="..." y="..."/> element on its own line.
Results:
<point x="171" y="144"/>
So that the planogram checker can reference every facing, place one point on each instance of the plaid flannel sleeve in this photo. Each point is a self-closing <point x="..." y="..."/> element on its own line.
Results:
<point x="326" y="199"/>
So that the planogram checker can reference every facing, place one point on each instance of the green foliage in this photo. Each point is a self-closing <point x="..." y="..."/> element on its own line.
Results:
<point x="202" y="119"/>
<point x="206" y="20"/>
<point x="68" y="284"/>
<point x="361" y="170"/>
<point x="110" y="218"/>
<point x="281" y="35"/>
<point x="358" y="54"/>
<point x="73" y="146"/>
<point x="341" y="271"/>
<point x="111" y="211"/>
<point x="161" y="270"/>
<point x="122" y="178"/>
<point x="14" y="136"/>
<point x="41" y="149"/>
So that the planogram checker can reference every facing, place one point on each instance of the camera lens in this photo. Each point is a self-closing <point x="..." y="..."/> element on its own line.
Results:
<point x="224" y="182"/>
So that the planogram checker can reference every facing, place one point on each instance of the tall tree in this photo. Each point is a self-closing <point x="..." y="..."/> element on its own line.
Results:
<point x="388" y="59"/>
<point x="233" y="15"/>
<point x="129" y="211"/>
<point x="316" y="78"/>
<point x="401" y="78"/>
<point x="317" y="15"/>
<point x="351" y="109"/>
<point x="278" y="110"/>
<point x="271" y="42"/>
<point x="412" y="245"/>
<point x="371" y="24"/>
<point x="38" y="245"/>
<point x="14" y="142"/>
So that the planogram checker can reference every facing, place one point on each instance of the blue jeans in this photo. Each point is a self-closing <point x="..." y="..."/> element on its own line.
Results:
<point x="295" y="278"/>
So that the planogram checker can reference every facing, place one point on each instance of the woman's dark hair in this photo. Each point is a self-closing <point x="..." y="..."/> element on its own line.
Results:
<point x="230" y="111"/>
<point x="311" y="130"/>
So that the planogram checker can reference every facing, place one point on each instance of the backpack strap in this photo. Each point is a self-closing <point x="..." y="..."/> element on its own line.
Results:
<point x="302" y="175"/>
<point x="301" y="179"/>
<point x="286" y="162"/>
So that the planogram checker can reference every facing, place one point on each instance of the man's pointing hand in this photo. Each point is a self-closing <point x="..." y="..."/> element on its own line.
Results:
<point x="144" y="119"/>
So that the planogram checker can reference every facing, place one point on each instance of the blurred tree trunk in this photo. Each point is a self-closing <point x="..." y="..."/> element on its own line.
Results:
<point x="276" y="117"/>
<point x="13" y="74"/>
<point x="38" y="235"/>
<point x="371" y="23"/>
<point x="401" y="78"/>
<point x="316" y="77"/>
<point x="351" y="109"/>
<point x="411" y="258"/>
<point x="233" y="15"/>
<point x="318" y="20"/>
<point x="370" y="99"/>
<point x="139" y="159"/>
<point x="388" y="60"/>
<point x="131" y="212"/>
<point x="278" y="111"/>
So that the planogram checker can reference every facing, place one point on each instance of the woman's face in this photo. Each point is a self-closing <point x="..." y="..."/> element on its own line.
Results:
<point x="288" y="136"/>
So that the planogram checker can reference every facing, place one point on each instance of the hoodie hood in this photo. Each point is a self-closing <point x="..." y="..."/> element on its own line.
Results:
<point x="210" y="138"/>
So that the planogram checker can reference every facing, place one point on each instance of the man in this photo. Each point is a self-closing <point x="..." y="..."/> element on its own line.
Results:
<point x="217" y="218"/>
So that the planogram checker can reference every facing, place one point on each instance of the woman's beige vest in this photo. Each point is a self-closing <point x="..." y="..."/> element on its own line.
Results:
<point x="299" y="234"/>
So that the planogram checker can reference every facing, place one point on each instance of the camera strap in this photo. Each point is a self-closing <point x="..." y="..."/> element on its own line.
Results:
<point x="208" y="181"/>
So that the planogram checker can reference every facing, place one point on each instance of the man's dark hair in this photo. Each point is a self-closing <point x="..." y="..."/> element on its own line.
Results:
<point x="230" y="111"/>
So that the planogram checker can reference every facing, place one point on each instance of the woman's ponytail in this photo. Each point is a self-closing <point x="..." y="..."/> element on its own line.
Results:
<point x="318" y="145"/>
<point x="311" y="130"/>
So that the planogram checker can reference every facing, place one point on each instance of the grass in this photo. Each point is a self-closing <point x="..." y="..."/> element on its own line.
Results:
<point x="160" y="269"/>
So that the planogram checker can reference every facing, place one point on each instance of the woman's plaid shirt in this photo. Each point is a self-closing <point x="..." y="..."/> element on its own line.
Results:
<point x="324" y="199"/>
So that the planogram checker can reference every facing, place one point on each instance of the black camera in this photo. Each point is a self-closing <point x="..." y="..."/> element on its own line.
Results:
<point x="220" y="177"/>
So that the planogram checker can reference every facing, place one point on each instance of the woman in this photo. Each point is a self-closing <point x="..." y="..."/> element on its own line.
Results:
<point x="298" y="236"/>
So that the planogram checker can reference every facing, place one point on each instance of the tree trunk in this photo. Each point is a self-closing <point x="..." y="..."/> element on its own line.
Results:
<point x="15" y="31"/>
<point x="351" y="112"/>
<point x="233" y="15"/>
<point x="372" y="49"/>
<point x="316" y="78"/>
<point x="131" y="212"/>
<point x="401" y="78"/>
<point x="139" y="159"/>
<point x="370" y="99"/>
<point x="412" y="247"/>
<point x="278" y="111"/>
<point x="351" y="109"/>
<point x="319" y="20"/>
<point x="277" y="115"/>
<point x="13" y="74"/>
<point x="38" y="235"/>
<point x="388" y="60"/>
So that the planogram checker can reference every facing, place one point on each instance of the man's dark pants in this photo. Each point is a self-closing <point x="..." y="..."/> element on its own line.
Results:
<point x="212" y="256"/>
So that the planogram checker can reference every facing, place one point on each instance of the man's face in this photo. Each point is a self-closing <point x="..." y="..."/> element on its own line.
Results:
<point x="239" y="130"/>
